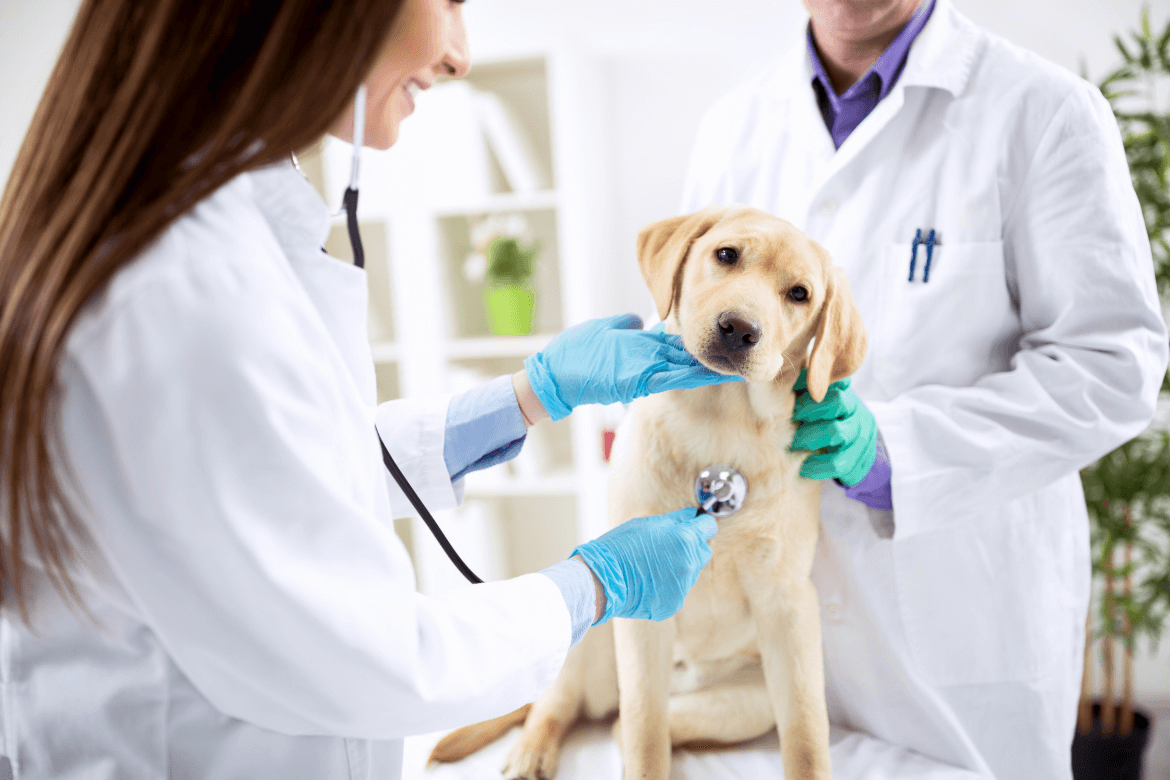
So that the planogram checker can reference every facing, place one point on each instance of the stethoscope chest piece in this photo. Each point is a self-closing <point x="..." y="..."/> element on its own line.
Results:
<point x="720" y="490"/>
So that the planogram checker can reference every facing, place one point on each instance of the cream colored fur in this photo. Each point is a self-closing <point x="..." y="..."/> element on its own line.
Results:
<point x="744" y="653"/>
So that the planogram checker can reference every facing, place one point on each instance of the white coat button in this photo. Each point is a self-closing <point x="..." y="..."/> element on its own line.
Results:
<point x="833" y="611"/>
<point x="829" y="207"/>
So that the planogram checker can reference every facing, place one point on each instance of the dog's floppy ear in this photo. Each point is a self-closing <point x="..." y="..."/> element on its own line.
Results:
<point x="841" y="338"/>
<point x="664" y="245"/>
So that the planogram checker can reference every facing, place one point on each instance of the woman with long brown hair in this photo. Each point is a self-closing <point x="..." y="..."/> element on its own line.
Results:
<point x="199" y="574"/>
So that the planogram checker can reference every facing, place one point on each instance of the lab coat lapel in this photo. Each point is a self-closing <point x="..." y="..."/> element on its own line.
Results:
<point x="942" y="57"/>
<point x="338" y="291"/>
<point x="809" y="147"/>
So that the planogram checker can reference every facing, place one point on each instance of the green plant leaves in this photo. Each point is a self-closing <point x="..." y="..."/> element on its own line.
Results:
<point x="1128" y="490"/>
<point x="509" y="262"/>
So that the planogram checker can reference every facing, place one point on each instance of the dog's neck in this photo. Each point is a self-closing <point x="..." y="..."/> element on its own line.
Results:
<point x="768" y="402"/>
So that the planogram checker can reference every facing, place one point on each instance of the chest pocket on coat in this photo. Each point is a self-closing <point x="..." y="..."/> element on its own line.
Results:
<point x="949" y="328"/>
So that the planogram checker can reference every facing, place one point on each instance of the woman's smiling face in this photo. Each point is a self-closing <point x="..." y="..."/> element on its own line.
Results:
<point x="428" y="39"/>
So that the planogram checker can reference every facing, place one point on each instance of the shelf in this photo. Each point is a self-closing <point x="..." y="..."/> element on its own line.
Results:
<point x="488" y="485"/>
<point x="384" y="351"/>
<point x="501" y="202"/>
<point x="497" y="346"/>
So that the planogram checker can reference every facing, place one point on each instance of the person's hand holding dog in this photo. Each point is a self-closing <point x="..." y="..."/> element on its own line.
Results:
<point x="842" y="426"/>
<point x="648" y="565"/>
<point x="612" y="360"/>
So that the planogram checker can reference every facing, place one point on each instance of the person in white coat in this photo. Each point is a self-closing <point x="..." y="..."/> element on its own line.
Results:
<point x="979" y="200"/>
<point x="201" y="578"/>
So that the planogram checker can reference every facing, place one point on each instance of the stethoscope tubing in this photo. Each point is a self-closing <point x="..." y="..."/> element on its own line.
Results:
<point x="421" y="508"/>
<point x="350" y="201"/>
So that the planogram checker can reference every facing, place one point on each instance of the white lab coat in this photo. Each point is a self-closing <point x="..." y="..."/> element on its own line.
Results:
<point x="256" y="615"/>
<point x="955" y="626"/>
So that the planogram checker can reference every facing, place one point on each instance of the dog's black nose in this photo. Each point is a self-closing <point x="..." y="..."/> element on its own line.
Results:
<point x="737" y="332"/>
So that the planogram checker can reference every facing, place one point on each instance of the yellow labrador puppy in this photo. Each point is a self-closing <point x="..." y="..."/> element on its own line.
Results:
<point x="750" y="295"/>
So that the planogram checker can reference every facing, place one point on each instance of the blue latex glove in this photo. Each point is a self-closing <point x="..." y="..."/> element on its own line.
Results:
<point x="842" y="426"/>
<point x="648" y="565"/>
<point x="612" y="360"/>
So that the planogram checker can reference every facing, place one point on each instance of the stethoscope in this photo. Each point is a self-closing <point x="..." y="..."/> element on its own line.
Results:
<point x="720" y="489"/>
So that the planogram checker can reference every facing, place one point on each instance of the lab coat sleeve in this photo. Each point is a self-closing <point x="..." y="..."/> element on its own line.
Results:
<point x="231" y="480"/>
<point x="1093" y="349"/>
<point x="413" y="430"/>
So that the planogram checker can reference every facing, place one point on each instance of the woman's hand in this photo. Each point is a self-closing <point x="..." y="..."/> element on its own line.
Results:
<point x="648" y="565"/>
<point x="612" y="360"/>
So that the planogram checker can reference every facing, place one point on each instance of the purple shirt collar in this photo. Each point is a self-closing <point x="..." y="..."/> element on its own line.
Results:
<point x="843" y="113"/>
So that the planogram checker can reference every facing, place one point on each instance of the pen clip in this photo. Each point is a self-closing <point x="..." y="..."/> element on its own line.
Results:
<point x="930" y="244"/>
<point x="914" y="252"/>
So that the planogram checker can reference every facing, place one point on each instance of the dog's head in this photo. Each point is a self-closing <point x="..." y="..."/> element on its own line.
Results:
<point x="749" y="293"/>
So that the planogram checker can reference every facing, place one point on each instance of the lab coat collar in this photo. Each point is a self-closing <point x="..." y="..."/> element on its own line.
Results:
<point x="942" y="57"/>
<point x="297" y="215"/>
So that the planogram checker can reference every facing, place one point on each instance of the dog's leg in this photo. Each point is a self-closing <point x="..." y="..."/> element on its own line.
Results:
<point x="536" y="753"/>
<point x="787" y="615"/>
<point x="644" y="651"/>
<point x="728" y="712"/>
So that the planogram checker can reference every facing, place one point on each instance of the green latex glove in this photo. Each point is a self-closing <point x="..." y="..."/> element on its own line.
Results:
<point x="841" y="426"/>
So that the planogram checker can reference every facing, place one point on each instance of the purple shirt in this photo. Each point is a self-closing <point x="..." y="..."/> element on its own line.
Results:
<point x="875" y="491"/>
<point x="843" y="113"/>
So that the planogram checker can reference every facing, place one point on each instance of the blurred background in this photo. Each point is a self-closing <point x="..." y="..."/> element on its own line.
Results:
<point x="510" y="206"/>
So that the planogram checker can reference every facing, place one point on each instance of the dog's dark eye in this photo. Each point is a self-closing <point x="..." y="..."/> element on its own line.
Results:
<point x="726" y="254"/>
<point x="798" y="293"/>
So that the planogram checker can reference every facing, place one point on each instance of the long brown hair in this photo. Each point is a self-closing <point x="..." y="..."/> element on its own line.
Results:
<point x="153" y="104"/>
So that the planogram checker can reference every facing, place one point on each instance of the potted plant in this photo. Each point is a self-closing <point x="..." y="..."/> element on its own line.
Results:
<point x="1128" y="491"/>
<point x="505" y="256"/>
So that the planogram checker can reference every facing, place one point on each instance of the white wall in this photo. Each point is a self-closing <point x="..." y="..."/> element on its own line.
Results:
<point x="31" y="35"/>
<point x="663" y="62"/>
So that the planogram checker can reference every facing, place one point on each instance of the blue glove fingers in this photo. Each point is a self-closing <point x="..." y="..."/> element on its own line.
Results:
<point x="706" y="525"/>
<point x="648" y="565"/>
<point x="621" y="322"/>
<point x="687" y="379"/>
<point x="674" y="350"/>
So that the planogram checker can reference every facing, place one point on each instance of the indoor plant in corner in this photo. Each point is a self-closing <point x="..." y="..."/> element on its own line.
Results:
<point x="1128" y="491"/>
<point x="505" y="256"/>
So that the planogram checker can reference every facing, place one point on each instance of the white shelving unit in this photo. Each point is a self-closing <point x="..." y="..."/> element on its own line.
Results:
<point x="428" y="326"/>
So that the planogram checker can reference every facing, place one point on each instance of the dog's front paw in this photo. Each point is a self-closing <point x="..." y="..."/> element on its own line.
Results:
<point x="533" y="757"/>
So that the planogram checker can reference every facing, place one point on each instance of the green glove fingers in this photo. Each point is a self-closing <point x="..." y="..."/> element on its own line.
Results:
<point x="839" y="430"/>
<point x="824" y="435"/>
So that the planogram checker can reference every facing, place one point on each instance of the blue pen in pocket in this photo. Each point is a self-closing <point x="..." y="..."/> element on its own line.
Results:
<point x="914" y="252"/>
<point x="930" y="243"/>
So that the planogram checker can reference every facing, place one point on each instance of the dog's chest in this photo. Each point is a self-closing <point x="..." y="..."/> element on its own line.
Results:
<point x="716" y="621"/>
